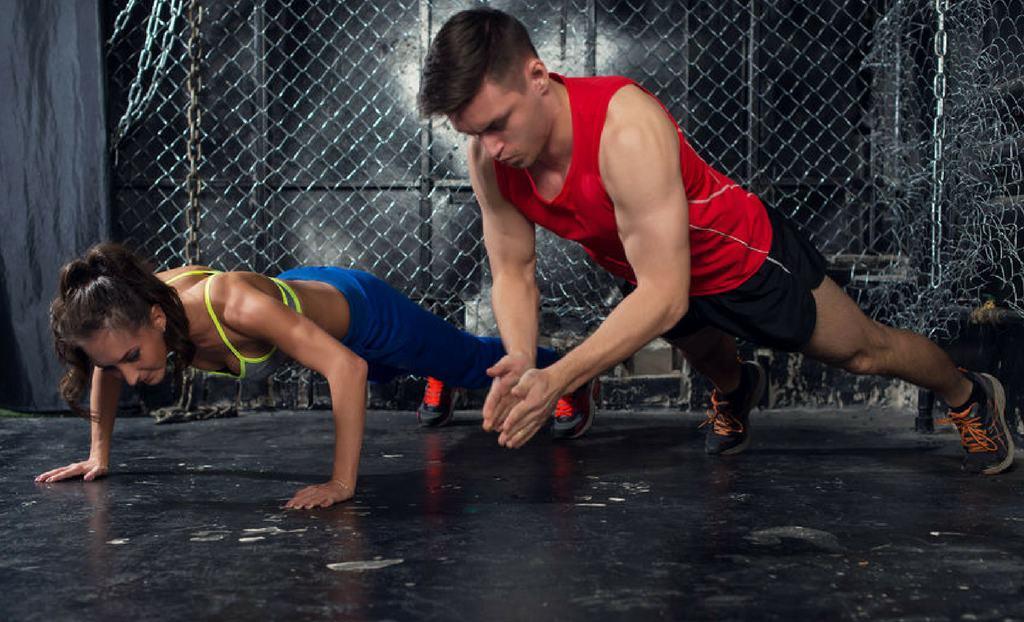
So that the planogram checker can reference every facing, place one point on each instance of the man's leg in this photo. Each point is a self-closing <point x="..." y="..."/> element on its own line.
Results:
<point x="845" y="337"/>
<point x="712" y="352"/>
<point x="738" y="387"/>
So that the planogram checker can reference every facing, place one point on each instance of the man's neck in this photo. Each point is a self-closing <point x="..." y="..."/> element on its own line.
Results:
<point x="557" y="153"/>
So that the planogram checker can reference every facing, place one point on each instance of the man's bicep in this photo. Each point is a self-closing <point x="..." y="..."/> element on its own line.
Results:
<point x="640" y="163"/>
<point x="508" y="237"/>
<point x="657" y="248"/>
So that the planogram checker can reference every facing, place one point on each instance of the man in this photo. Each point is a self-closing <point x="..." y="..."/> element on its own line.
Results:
<point x="600" y="161"/>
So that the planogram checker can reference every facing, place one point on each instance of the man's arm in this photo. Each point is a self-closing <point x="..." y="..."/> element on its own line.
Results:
<point x="640" y="168"/>
<point x="639" y="162"/>
<point x="510" y="241"/>
<point x="511" y="251"/>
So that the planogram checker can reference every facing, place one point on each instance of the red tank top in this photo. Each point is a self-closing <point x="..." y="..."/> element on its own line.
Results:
<point x="730" y="234"/>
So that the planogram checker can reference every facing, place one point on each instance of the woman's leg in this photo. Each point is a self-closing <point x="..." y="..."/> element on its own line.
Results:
<point x="419" y="342"/>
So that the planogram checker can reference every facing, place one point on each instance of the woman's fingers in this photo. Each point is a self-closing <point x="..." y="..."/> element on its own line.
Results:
<point x="63" y="473"/>
<point x="320" y="495"/>
<point x="72" y="470"/>
<point x="299" y="499"/>
<point x="43" y="477"/>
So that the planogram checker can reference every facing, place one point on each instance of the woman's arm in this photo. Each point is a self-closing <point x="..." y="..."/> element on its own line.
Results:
<point x="103" y="398"/>
<point x="251" y="312"/>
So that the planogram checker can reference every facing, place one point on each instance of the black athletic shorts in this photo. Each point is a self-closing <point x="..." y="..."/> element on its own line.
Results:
<point x="774" y="307"/>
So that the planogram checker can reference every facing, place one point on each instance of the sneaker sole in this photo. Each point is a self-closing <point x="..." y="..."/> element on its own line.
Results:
<point x="762" y="382"/>
<point x="732" y="451"/>
<point x="999" y="396"/>
<point x="438" y="422"/>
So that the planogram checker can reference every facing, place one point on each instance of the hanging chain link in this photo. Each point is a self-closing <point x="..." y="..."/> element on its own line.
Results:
<point x="938" y="136"/>
<point x="194" y="84"/>
<point x="160" y="36"/>
<point x="193" y="182"/>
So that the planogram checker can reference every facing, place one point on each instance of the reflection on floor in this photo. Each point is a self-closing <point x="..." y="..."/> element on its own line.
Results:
<point x="829" y="515"/>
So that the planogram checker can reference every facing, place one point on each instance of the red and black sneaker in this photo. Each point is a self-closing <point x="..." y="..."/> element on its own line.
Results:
<point x="438" y="404"/>
<point x="984" y="435"/>
<point x="574" y="413"/>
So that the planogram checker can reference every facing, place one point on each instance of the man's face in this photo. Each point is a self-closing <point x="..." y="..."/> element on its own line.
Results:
<point x="508" y="119"/>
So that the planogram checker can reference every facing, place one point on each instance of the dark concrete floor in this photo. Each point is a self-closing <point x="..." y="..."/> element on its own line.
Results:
<point x="847" y="515"/>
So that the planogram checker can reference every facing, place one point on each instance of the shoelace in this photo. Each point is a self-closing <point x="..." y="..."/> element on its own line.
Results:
<point x="564" y="408"/>
<point x="433" y="395"/>
<point x="725" y="424"/>
<point x="972" y="434"/>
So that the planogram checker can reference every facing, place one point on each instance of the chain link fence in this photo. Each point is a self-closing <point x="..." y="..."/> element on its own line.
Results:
<point x="948" y="127"/>
<point x="891" y="131"/>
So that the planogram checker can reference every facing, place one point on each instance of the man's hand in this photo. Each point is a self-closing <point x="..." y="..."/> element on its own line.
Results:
<point x="536" y="394"/>
<point x="89" y="470"/>
<point x="320" y="496"/>
<point x="506" y="373"/>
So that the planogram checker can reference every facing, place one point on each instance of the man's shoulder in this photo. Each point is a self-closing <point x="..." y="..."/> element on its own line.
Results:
<point x="637" y="126"/>
<point x="631" y="106"/>
<point x="635" y="122"/>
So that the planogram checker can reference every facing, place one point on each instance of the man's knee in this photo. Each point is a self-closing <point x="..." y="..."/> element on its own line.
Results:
<point x="871" y="356"/>
<point x="861" y="363"/>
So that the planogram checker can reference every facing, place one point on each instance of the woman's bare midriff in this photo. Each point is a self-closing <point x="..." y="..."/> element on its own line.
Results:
<point x="324" y="304"/>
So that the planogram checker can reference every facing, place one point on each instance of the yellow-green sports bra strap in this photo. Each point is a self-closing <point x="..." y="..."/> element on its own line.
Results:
<point x="284" y="287"/>
<point x="242" y="359"/>
<point x="191" y="273"/>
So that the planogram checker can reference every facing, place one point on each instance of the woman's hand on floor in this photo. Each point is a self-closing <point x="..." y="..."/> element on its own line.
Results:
<point x="89" y="470"/>
<point x="321" y="495"/>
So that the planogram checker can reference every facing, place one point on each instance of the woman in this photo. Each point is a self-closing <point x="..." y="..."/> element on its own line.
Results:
<point x="115" y="315"/>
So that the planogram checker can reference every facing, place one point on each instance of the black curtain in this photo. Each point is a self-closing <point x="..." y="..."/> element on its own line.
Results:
<point x="54" y="199"/>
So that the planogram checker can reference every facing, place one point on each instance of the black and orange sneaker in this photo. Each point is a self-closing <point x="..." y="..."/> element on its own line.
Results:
<point x="729" y="417"/>
<point x="574" y="413"/>
<point x="438" y="404"/>
<point x="984" y="435"/>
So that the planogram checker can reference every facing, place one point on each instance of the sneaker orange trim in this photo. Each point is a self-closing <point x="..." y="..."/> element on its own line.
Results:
<point x="972" y="435"/>
<point x="564" y="408"/>
<point x="432" y="397"/>
<point x="719" y="415"/>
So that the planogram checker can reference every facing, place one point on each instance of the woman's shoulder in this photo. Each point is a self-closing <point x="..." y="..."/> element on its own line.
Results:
<point x="183" y="272"/>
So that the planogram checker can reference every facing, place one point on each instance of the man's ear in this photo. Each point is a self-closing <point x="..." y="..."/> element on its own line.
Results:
<point x="537" y="75"/>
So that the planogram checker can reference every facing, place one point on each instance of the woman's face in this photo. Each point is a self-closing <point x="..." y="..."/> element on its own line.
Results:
<point x="136" y="355"/>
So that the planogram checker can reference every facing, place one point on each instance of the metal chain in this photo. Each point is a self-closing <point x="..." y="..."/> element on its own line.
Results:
<point x="939" y="135"/>
<point x="194" y="84"/>
<point x="160" y="36"/>
<point x="193" y="182"/>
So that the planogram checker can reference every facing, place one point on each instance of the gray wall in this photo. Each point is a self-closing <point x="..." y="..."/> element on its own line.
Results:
<point x="53" y="177"/>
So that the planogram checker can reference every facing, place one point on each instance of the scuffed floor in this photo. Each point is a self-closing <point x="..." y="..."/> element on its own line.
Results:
<point x="847" y="515"/>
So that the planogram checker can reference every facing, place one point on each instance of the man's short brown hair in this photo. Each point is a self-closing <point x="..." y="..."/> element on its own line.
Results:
<point x="470" y="47"/>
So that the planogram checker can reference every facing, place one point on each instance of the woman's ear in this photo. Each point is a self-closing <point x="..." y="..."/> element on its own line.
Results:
<point x="157" y="318"/>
